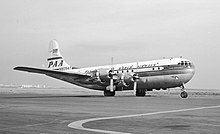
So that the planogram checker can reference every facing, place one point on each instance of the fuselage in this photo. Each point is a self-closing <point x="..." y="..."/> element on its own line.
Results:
<point x="155" y="74"/>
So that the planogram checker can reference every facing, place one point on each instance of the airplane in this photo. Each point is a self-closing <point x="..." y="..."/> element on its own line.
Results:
<point x="137" y="76"/>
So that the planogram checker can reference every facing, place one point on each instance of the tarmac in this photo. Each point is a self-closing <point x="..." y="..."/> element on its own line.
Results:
<point x="76" y="111"/>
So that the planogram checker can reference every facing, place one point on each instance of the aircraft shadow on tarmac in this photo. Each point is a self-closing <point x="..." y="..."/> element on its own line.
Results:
<point x="68" y="96"/>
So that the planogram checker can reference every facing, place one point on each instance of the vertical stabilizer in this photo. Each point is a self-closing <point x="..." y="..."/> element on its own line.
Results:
<point x="55" y="60"/>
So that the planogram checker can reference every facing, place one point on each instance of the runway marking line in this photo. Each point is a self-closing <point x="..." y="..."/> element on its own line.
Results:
<point x="79" y="124"/>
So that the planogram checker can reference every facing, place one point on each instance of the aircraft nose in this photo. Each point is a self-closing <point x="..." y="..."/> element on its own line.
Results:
<point x="191" y="70"/>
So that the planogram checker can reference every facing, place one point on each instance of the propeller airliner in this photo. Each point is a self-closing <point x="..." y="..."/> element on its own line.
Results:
<point x="138" y="76"/>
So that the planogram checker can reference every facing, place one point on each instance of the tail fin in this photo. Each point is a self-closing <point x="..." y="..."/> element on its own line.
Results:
<point x="56" y="61"/>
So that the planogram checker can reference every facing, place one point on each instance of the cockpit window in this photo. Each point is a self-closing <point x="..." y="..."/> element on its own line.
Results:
<point x="186" y="63"/>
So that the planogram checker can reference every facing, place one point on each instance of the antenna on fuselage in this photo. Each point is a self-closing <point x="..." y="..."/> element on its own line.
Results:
<point x="112" y="62"/>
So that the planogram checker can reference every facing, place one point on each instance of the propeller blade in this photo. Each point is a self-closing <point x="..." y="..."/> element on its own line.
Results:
<point x="135" y="87"/>
<point x="111" y="85"/>
<point x="135" y="79"/>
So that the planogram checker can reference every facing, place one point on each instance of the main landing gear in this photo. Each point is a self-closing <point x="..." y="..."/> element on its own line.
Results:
<point x="141" y="93"/>
<point x="109" y="93"/>
<point x="183" y="94"/>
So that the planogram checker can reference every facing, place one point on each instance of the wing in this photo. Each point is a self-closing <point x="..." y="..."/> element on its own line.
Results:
<point x="53" y="73"/>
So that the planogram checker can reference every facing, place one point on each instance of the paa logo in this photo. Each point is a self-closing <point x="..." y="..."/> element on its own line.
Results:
<point x="55" y="64"/>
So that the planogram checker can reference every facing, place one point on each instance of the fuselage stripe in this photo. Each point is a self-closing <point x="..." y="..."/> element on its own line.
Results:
<point x="55" y="58"/>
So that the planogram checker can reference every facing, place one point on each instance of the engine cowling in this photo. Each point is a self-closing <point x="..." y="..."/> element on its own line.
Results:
<point x="126" y="79"/>
<point x="103" y="74"/>
<point x="129" y="78"/>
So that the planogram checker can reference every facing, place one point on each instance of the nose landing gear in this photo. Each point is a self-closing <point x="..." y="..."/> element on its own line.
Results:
<point x="183" y="94"/>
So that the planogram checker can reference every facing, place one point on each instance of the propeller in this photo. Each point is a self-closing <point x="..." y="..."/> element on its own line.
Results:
<point x="97" y="77"/>
<point x="122" y="82"/>
<point x="135" y="78"/>
<point x="111" y="73"/>
<point x="111" y="80"/>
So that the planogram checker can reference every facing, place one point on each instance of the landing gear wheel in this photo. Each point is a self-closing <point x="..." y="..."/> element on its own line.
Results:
<point x="109" y="93"/>
<point x="140" y="93"/>
<point x="184" y="94"/>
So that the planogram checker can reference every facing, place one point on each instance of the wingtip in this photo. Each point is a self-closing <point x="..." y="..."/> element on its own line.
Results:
<point x="15" y="68"/>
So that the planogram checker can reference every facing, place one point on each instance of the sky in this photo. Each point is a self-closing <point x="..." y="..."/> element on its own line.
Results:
<point x="90" y="32"/>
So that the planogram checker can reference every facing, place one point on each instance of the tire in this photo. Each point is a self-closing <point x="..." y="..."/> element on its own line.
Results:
<point x="109" y="93"/>
<point x="184" y="94"/>
<point x="141" y="93"/>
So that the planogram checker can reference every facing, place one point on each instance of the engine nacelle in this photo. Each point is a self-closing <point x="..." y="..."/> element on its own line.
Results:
<point x="128" y="78"/>
<point x="103" y="74"/>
